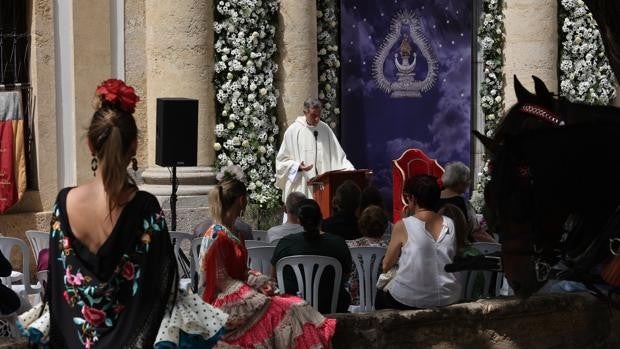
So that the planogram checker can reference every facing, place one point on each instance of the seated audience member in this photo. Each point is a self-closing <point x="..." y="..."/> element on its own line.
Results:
<point x="292" y="221"/>
<point x="426" y="242"/>
<point x="372" y="196"/>
<point x="456" y="181"/>
<point x="240" y="228"/>
<point x="346" y="203"/>
<point x="258" y="318"/>
<point x="312" y="242"/>
<point x="373" y="222"/>
<point x="9" y="301"/>
<point x="461" y="229"/>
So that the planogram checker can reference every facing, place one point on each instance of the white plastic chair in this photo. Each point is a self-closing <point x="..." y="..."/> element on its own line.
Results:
<point x="260" y="235"/>
<point x="484" y="248"/>
<point x="308" y="284"/>
<point x="256" y="243"/>
<point x="38" y="241"/>
<point x="368" y="273"/>
<point x="177" y="238"/>
<point x="259" y="258"/>
<point x="25" y="288"/>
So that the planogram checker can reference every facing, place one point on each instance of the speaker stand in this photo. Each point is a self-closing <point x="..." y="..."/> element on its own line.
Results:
<point x="173" y="199"/>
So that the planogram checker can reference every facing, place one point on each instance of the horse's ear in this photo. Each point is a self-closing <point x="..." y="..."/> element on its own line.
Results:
<point x="523" y="95"/>
<point x="488" y="143"/>
<point x="542" y="92"/>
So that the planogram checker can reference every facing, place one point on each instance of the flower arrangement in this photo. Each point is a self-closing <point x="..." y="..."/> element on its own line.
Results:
<point x="118" y="94"/>
<point x="328" y="61"/>
<point x="246" y="98"/>
<point x="585" y="73"/>
<point x="491" y="36"/>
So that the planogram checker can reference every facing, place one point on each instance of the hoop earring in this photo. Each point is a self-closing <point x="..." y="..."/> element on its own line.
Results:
<point x="93" y="165"/>
<point x="134" y="164"/>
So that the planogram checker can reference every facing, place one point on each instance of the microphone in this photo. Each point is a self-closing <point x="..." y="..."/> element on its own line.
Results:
<point x="316" y="136"/>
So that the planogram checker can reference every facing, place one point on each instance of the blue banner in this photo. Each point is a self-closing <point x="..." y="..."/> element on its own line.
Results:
<point x="406" y="82"/>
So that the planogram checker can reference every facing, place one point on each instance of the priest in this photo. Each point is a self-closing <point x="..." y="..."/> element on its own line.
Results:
<point x="309" y="148"/>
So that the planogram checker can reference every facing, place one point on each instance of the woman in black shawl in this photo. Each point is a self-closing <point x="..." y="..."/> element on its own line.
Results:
<point x="112" y="272"/>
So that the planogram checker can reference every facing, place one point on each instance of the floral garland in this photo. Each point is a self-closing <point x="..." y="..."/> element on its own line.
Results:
<point x="246" y="97"/>
<point x="585" y="73"/>
<point x="328" y="61"/>
<point x="491" y="36"/>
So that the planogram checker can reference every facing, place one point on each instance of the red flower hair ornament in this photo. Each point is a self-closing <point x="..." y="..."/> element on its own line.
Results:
<point x="118" y="94"/>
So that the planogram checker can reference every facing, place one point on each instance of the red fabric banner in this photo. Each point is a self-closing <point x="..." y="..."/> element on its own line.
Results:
<point x="12" y="155"/>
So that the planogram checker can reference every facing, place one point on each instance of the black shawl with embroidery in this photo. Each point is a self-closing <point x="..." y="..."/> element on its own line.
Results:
<point x="117" y="297"/>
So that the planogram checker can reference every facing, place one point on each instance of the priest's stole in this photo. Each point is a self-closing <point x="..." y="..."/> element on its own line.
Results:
<point x="12" y="151"/>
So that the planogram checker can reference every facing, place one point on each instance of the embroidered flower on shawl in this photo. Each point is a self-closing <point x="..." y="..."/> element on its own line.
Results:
<point x="95" y="302"/>
<point x="93" y="316"/>
<point x="231" y="172"/>
<point x="66" y="244"/>
<point x="73" y="279"/>
<point x="128" y="271"/>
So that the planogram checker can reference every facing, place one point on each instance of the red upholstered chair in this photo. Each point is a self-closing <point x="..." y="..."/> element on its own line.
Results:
<point x="413" y="162"/>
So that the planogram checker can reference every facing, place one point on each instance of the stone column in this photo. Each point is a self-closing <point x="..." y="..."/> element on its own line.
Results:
<point x="179" y="63"/>
<point x="92" y="65"/>
<point x="298" y="77"/>
<point x="531" y="44"/>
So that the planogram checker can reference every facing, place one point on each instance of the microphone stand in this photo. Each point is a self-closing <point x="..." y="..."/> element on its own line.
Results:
<point x="173" y="199"/>
<point x="316" y="135"/>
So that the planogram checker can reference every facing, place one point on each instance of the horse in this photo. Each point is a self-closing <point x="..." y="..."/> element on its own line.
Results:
<point x="552" y="196"/>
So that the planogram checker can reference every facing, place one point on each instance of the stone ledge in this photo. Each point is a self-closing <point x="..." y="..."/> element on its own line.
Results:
<point x="546" y="321"/>
<point x="563" y="321"/>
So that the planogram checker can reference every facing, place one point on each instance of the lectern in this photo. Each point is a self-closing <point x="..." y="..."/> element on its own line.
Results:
<point x="324" y="186"/>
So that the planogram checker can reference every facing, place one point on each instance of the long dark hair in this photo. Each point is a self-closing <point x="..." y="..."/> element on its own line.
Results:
<point x="310" y="217"/>
<point x="111" y="133"/>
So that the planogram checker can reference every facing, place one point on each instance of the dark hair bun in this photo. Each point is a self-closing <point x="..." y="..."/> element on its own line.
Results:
<point x="309" y="214"/>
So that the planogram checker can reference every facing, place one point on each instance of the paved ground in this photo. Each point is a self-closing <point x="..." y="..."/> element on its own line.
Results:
<point x="6" y="343"/>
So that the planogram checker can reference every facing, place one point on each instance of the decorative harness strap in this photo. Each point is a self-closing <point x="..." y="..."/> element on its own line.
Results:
<point x="541" y="113"/>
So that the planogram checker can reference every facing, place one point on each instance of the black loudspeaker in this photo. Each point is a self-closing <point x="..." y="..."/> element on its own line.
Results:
<point x="176" y="141"/>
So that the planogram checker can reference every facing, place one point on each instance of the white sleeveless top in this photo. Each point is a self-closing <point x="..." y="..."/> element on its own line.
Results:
<point x="421" y="281"/>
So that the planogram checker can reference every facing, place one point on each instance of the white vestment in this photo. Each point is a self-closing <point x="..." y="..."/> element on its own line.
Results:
<point x="299" y="144"/>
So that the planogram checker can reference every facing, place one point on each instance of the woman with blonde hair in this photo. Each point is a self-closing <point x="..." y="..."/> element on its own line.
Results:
<point x="258" y="318"/>
<point x="113" y="275"/>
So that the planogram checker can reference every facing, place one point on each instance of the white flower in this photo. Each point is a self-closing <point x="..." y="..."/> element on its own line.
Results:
<point x="262" y="91"/>
<point x="231" y="125"/>
<point x="217" y="146"/>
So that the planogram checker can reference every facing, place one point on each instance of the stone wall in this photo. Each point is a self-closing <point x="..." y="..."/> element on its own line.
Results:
<point x="531" y="44"/>
<point x="564" y="321"/>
